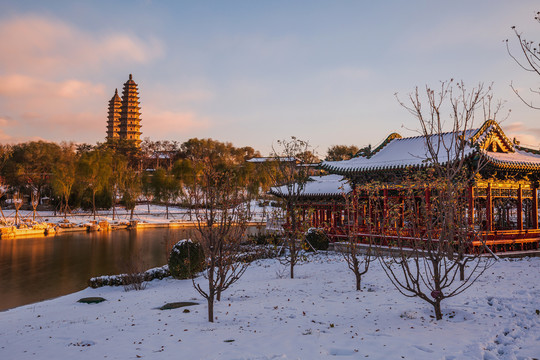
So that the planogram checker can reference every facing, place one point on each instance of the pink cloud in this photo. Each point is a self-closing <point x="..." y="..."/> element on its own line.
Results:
<point x="171" y="124"/>
<point x="527" y="136"/>
<point x="5" y="138"/>
<point x="40" y="45"/>
<point x="25" y="86"/>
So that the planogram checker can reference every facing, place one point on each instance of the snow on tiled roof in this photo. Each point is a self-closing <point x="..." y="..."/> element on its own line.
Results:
<point x="517" y="158"/>
<point x="265" y="159"/>
<point x="398" y="153"/>
<point x="327" y="185"/>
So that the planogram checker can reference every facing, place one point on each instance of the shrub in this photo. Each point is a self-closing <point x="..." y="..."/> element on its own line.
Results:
<point x="124" y="279"/>
<point x="262" y="238"/>
<point x="315" y="239"/>
<point x="186" y="259"/>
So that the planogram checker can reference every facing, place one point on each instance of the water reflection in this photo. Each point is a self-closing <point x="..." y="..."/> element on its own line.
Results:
<point x="36" y="269"/>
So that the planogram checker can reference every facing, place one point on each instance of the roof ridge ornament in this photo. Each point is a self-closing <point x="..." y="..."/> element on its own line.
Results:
<point x="386" y="141"/>
<point x="482" y="135"/>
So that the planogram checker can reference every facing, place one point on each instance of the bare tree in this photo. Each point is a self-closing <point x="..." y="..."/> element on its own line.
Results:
<point x="434" y="234"/>
<point x="17" y="203"/>
<point x="166" y="187"/>
<point x="357" y="259"/>
<point x="64" y="175"/>
<point x="131" y="189"/>
<point x="215" y="188"/>
<point x="528" y="61"/>
<point x="94" y="168"/>
<point x="34" y="200"/>
<point x="5" y="154"/>
<point x="289" y="178"/>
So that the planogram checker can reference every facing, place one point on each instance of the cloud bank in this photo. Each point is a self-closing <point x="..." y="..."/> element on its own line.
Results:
<point x="45" y="71"/>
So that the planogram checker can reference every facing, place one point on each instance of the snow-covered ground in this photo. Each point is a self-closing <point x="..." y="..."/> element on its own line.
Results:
<point x="266" y="315"/>
<point x="153" y="214"/>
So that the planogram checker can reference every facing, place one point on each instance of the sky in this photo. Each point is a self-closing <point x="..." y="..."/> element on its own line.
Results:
<point x="254" y="72"/>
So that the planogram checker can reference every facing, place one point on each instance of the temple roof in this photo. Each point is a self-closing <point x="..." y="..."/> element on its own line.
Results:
<point x="271" y="159"/>
<point x="319" y="186"/>
<point x="396" y="152"/>
<point x="116" y="97"/>
<point x="519" y="159"/>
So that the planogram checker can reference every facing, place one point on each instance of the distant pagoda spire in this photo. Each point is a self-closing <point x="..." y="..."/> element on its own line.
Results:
<point x="130" y="112"/>
<point x="113" y="119"/>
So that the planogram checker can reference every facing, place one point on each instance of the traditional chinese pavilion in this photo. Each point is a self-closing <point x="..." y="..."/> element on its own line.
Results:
<point x="502" y="200"/>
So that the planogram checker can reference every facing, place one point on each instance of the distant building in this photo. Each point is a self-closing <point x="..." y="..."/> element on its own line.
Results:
<point x="124" y="117"/>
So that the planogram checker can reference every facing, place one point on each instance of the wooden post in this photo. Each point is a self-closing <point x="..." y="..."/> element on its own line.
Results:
<point x="335" y="221"/>
<point x="402" y="212"/>
<point x="384" y="223"/>
<point x="489" y="209"/>
<point x="535" y="207"/>
<point x="471" y="206"/>
<point x="520" y="209"/>
<point x="428" y="219"/>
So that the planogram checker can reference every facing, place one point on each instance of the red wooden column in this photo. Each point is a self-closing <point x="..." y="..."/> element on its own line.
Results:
<point x="520" y="209"/>
<point x="535" y="206"/>
<point x="427" y="194"/>
<point x="335" y="221"/>
<point x="402" y="212"/>
<point x="471" y="205"/>
<point x="489" y="209"/>
<point x="369" y="217"/>
<point x="385" y="209"/>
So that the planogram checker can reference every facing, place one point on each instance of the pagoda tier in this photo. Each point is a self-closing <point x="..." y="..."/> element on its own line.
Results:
<point x="113" y="119"/>
<point x="130" y="115"/>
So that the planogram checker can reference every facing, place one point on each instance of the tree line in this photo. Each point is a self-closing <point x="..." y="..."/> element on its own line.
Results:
<point x="66" y="175"/>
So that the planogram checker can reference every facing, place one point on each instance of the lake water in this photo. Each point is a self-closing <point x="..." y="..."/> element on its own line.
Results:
<point x="36" y="269"/>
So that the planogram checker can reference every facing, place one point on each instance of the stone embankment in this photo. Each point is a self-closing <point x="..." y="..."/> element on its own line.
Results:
<point x="44" y="228"/>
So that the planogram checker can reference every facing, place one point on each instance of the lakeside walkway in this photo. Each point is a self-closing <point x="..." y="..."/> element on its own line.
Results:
<point x="49" y="222"/>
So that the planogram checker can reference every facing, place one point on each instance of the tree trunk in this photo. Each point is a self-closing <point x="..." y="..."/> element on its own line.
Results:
<point x="94" y="203"/>
<point x="66" y="206"/>
<point x="437" y="307"/>
<point x="167" y="209"/>
<point x="462" y="272"/>
<point x="293" y="255"/>
<point x="131" y="215"/>
<point x="210" y="308"/>
<point x="114" y="205"/>
<point x="356" y="269"/>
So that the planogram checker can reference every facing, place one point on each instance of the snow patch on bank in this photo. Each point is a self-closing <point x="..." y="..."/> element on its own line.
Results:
<point x="266" y="315"/>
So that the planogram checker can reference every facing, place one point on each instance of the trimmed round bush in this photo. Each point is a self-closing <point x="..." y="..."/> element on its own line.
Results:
<point x="186" y="259"/>
<point x="317" y="238"/>
<point x="262" y="238"/>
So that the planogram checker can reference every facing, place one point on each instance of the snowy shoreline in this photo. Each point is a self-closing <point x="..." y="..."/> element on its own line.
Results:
<point x="145" y="217"/>
<point x="266" y="315"/>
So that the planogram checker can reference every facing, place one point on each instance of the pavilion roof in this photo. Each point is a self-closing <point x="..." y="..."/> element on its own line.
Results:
<point x="400" y="153"/>
<point x="319" y="186"/>
<point x="519" y="159"/>
<point x="271" y="159"/>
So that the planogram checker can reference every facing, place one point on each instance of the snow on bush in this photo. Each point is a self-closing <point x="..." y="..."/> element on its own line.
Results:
<point x="124" y="279"/>
<point x="186" y="259"/>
